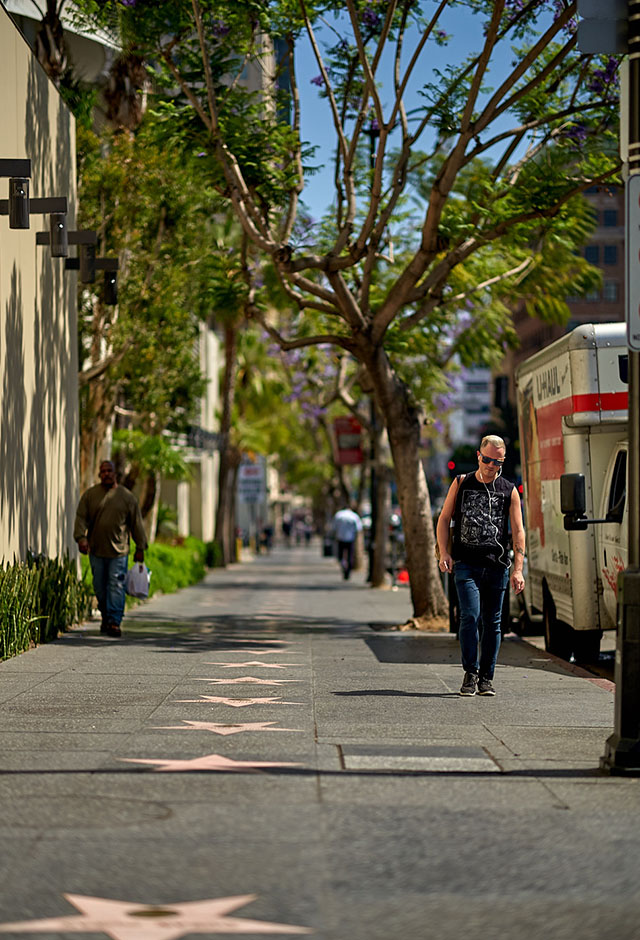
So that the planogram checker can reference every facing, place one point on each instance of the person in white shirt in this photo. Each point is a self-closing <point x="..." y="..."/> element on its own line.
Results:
<point x="346" y="525"/>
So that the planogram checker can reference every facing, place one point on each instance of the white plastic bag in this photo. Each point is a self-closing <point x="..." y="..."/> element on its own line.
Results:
<point x="138" y="580"/>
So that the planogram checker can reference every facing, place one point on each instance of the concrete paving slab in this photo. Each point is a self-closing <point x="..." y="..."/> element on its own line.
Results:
<point x="429" y="759"/>
<point x="536" y="846"/>
<point x="552" y="743"/>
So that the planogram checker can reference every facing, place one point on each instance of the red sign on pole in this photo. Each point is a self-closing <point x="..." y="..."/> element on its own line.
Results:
<point x="348" y="433"/>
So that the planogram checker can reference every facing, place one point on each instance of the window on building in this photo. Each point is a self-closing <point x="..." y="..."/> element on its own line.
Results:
<point x="610" y="218"/>
<point x="593" y="296"/>
<point x="610" y="254"/>
<point x="610" y="291"/>
<point x="592" y="254"/>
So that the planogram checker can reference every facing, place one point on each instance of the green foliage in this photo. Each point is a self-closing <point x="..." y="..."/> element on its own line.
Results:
<point x="152" y="453"/>
<point x="39" y="598"/>
<point x="150" y="206"/>
<point x="175" y="566"/>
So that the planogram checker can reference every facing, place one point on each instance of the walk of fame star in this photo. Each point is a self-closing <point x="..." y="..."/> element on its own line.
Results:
<point x="248" y="639"/>
<point x="248" y="680"/>
<point x="262" y="652"/>
<point x="219" y="728"/>
<point x="209" y="762"/>
<point x="236" y="702"/>
<point x="123" y="920"/>
<point x="255" y="662"/>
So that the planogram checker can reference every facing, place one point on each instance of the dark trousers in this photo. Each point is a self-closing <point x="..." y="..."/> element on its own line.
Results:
<point x="345" y="557"/>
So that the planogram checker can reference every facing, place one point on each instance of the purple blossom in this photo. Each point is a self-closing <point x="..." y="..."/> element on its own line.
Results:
<point x="441" y="37"/>
<point x="219" y="28"/>
<point x="438" y="426"/>
<point x="576" y="134"/>
<point x="128" y="3"/>
<point x="370" y="18"/>
<point x="318" y="80"/>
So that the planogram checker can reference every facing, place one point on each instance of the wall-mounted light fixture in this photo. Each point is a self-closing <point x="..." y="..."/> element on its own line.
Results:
<point x="59" y="242"/>
<point x="19" y="206"/>
<point x="57" y="237"/>
<point x="19" y="173"/>
<point x="87" y="263"/>
<point x="110" y="268"/>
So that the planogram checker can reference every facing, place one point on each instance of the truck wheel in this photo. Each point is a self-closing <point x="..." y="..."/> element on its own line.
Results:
<point x="586" y="645"/>
<point x="557" y="635"/>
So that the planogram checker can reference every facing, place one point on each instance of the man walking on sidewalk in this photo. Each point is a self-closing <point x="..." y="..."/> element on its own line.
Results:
<point x="107" y="515"/>
<point x="346" y="525"/>
<point x="481" y="505"/>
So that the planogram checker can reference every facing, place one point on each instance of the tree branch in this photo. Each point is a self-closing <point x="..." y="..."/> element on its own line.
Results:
<point x="438" y="276"/>
<point x="330" y="339"/>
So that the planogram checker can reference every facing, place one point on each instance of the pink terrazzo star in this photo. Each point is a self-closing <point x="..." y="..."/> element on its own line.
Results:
<point x="237" y="702"/>
<point x="123" y="920"/>
<point x="218" y="728"/>
<point x="255" y="662"/>
<point x="246" y="639"/>
<point x="263" y="652"/>
<point x="215" y="762"/>
<point x="249" y="680"/>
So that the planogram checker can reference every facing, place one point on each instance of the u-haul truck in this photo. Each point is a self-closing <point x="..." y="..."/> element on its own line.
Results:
<point x="573" y="418"/>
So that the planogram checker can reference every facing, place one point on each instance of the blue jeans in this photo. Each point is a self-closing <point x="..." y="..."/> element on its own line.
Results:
<point x="480" y="596"/>
<point x="109" y="580"/>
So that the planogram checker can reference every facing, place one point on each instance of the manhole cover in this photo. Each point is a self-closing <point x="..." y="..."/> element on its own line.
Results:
<point x="431" y="759"/>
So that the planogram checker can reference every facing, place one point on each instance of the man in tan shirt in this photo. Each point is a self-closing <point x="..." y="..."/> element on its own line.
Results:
<point x="107" y="515"/>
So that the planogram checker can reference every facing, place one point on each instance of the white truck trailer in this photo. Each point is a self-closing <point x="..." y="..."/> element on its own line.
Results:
<point x="573" y="418"/>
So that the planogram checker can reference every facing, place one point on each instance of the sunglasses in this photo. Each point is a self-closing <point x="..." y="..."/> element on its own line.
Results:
<point x="496" y="463"/>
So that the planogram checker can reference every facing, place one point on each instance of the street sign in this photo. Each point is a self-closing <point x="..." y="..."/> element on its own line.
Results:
<point x="633" y="261"/>
<point x="251" y="482"/>
<point x="348" y="437"/>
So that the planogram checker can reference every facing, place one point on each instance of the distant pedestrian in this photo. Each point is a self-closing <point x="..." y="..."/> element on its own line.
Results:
<point x="481" y="505"/>
<point x="346" y="524"/>
<point x="107" y="515"/>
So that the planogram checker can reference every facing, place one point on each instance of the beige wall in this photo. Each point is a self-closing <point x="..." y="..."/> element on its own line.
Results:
<point x="38" y="347"/>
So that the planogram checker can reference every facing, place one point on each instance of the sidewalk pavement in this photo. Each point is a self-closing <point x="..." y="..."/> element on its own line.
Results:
<point x="253" y="758"/>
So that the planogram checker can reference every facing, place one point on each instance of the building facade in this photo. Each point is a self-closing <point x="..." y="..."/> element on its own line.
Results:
<point x="38" y="338"/>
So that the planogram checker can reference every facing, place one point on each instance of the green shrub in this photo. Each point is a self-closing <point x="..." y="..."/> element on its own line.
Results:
<point x="39" y="598"/>
<point x="175" y="566"/>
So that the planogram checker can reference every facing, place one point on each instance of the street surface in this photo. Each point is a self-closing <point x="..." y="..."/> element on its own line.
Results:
<point x="253" y="758"/>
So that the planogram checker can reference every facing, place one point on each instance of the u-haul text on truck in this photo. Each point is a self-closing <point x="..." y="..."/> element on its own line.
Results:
<point x="573" y="418"/>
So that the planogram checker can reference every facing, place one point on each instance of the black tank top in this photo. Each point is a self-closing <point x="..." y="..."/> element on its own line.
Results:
<point x="481" y="522"/>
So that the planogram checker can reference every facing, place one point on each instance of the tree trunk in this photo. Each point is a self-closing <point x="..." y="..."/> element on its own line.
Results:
<point x="149" y="504"/>
<point x="97" y="400"/>
<point x="378" y="567"/>
<point x="378" y="548"/>
<point x="403" y="427"/>
<point x="226" y="490"/>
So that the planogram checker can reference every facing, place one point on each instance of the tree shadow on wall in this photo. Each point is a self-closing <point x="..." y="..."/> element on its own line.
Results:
<point x="13" y="410"/>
